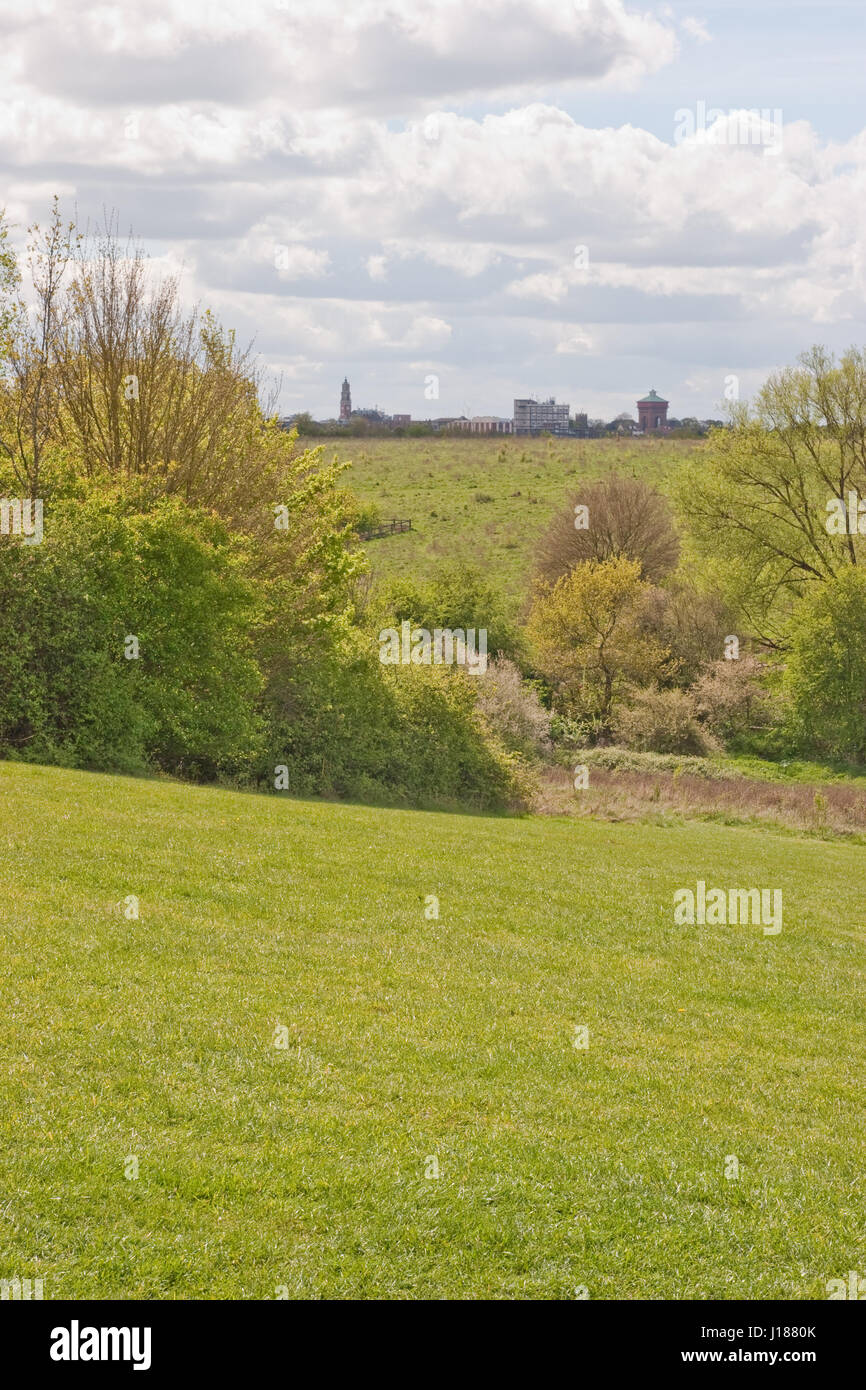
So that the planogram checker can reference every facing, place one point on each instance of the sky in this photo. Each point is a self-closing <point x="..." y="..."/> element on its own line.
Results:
<point x="456" y="202"/>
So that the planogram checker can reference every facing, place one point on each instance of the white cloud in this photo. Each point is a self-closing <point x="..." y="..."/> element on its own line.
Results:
<point x="223" y="133"/>
<point x="696" y="29"/>
<point x="377" y="267"/>
<point x="300" y="262"/>
<point x="327" y="53"/>
<point x="425" y="331"/>
<point x="576" y="341"/>
<point x="552" y="286"/>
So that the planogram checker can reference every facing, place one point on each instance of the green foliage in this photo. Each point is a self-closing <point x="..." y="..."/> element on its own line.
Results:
<point x="616" y="759"/>
<point x="350" y="727"/>
<point x="589" y="637"/>
<point x="825" y="677"/>
<point x="367" y="517"/>
<point x="102" y="574"/>
<point x="457" y="595"/>
<point x="756" y="504"/>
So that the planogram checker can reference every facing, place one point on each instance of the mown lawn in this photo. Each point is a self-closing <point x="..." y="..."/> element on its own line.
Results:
<point x="303" y="1168"/>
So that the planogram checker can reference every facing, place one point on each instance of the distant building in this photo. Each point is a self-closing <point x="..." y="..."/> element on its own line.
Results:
<point x="400" y="421"/>
<point x="652" y="413"/>
<point x="485" y="424"/>
<point x="345" y="402"/>
<point x="540" y="417"/>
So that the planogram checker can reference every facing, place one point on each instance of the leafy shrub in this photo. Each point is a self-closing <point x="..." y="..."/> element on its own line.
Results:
<point x="512" y="708"/>
<point x="367" y="518"/>
<point x="690" y="622"/>
<point x="616" y="759"/>
<point x="68" y="693"/>
<point x="584" y="731"/>
<point x="455" y="596"/>
<point x="348" y="726"/>
<point x="663" y="721"/>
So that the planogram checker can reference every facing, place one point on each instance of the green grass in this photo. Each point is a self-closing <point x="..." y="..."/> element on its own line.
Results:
<point x="435" y="483"/>
<point x="795" y="770"/>
<point x="719" y="766"/>
<point x="305" y="1167"/>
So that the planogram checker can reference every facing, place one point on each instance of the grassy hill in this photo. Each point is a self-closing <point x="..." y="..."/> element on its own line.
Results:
<point x="486" y="500"/>
<point x="262" y="1167"/>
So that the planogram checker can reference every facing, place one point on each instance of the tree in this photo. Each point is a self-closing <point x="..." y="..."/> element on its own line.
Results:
<point x="825" y="677"/>
<point x="456" y="595"/>
<point x="757" y="500"/>
<point x="150" y="390"/>
<point x="29" y="336"/>
<point x="112" y="383"/>
<point x="589" y="637"/>
<point x="622" y="516"/>
<point x="691" y="621"/>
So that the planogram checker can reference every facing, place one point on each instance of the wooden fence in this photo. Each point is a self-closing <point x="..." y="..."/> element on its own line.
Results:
<point x="391" y="528"/>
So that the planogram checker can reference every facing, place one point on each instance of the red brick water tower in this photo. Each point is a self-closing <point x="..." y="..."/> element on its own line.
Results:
<point x="652" y="413"/>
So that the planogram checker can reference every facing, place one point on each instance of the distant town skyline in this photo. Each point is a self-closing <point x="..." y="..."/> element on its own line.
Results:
<point x="645" y="410"/>
<point x="530" y="416"/>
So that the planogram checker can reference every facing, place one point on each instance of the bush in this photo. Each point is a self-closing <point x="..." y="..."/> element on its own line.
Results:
<point x="731" y="699"/>
<point x="455" y="596"/>
<point x="589" y="640"/>
<point x="68" y="692"/>
<point x="663" y="721"/>
<point x="349" y="726"/>
<point x="693" y="624"/>
<point x="367" y="518"/>
<point x="615" y="759"/>
<point x="513" y="710"/>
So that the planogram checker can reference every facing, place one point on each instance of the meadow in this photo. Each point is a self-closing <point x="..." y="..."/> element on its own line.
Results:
<point x="291" y="1047"/>
<point x="485" y="500"/>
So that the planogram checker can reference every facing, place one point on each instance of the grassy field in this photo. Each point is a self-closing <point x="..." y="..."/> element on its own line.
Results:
<point x="303" y="1168"/>
<point x="485" y="500"/>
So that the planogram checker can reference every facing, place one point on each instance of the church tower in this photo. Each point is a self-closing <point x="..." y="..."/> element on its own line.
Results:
<point x="345" y="401"/>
